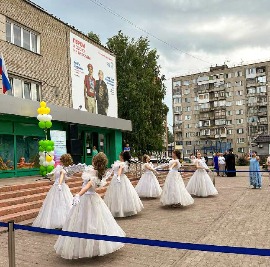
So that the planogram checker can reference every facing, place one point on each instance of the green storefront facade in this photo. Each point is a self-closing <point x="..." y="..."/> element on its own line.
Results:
<point x="19" y="135"/>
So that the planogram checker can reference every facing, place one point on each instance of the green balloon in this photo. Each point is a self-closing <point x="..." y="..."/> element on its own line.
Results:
<point x="41" y="149"/>
<point x="52" y="148"/>
<point x="44" y="173"/>
<point x="51" y="143"/>
<point x="48" y="148"/>
<point x="46" y="143"/>
<point x="42" y="124"/>
<point x="40" y="142"/>
<point x="48" y="124"/>
<point x="50" y="168"/>
<point x="41" y="172"/>
<point x="42" y="168"/>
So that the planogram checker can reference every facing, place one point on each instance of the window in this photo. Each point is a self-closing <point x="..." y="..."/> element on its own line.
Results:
<point x="240" y="149"/>
<point x="239" y="121"/>
<point x="239" y="112"/>
<point x="261" y="89"/>
<point x="187" y="100"/>
<point x="188" y="143"/>
<point x="228" y="75"/>
<point x="188" y="117"/>
<point x="7" y="152"/>
<point x="22" y="36"/>
<point x="250" y="71"/>
<point x="228" y="85"/>
<point x="229" y="122"/>
<point x="188" y="108"/>
<point x="229" y="131"/>
<point x="177" y="100"/>
<point x="239" y="93"/>
<point x="228" y="94"/>
<point x="25" y="89"/>
<point x="261" y="79"/>
<point x="228" y="104"/>
<point x="240" y="140"/>
<point x="185" y="82"/>
<point x="196" y="99"/>
<point x="238" y="83"/>
<point x="239" y="103"/>
<point x="220" y="122"/>
<point x="251" y="90"/>
<point x="205" y="105"/>
<point x="240" y="131"/>
<point x="238" y="74"/>
<point x="196" y="107"/>
<point x="187" y="91"/>
<point x="229" y="113"/>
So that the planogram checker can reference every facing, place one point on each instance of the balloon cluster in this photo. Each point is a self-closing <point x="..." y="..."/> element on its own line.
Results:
<point x="45" y="119"/>
<point x="46" y="147"/>
<point x="46" y="156"/>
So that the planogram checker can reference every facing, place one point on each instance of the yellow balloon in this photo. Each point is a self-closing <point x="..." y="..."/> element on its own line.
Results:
<point x="43" y="104"/>
<point x="49" y="110"/>
<point x="42" y="111"/>
<point x="46" y="110"/>
<point x="48" y="158"/>
<point x="38" y="111"/>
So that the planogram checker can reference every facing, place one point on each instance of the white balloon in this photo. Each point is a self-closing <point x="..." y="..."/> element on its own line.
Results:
<point x="45" y="164"/>
<point x="51" y="163"/>
<point x="49" y="117"/>
<point x="40" y="162"/>
<point x="51" y="152"/>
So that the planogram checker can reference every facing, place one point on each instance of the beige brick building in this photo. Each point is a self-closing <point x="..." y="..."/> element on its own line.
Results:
<point x="220" y="109"/>
<point x="36" y="47"/>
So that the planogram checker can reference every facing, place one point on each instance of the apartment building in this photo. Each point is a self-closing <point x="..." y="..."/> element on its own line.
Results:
<point x="221" y="109"/>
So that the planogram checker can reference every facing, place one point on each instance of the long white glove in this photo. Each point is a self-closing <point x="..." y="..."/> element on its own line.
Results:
<point x="118" y="179"/>
<point x="76" y="200"/>
<point x="60" y="187"/>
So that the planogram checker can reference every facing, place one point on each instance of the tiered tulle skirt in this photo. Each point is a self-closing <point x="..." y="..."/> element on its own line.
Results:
<point x="122" y="198"/>
<point x="90" y="216"/>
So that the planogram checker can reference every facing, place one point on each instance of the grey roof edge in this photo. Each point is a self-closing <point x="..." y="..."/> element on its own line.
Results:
<point x="28" y="108"/>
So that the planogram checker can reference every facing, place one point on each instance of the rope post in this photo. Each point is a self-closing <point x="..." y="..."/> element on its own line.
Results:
<point x="11" y="244"/>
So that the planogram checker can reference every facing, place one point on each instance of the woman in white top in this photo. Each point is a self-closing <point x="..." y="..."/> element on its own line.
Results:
<point x="221" y="164"/>
<point x="174" y="191"/>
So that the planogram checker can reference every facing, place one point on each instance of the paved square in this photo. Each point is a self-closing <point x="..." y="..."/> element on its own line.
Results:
<point x="238" y="216"/>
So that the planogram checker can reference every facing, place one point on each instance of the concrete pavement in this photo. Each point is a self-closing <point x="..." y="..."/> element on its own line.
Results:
<point x="238" y="216"/>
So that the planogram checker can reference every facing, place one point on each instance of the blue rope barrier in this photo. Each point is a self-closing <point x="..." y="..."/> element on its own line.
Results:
<point x="149" y="242"/>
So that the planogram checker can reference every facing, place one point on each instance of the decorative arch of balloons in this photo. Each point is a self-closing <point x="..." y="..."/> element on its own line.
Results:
<point x="46" y="147"/>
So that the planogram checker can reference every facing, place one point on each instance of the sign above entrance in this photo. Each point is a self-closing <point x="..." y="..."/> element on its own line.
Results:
<point x="93" y="74"/>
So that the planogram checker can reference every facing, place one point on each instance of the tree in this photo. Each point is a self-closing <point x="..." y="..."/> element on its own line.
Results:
<point x="170" y="137"/>
<point x="140" y="92"/>
<point x="94" y="37"/>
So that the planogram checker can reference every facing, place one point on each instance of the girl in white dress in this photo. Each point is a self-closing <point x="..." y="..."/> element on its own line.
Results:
<point x="148" y="185"/>
<point x="200" y="184"/>
<point x="89" y="214"/>
<point x="58" y="201"/>
<point x="174" y="191"/>
<point x="121" y="197"/>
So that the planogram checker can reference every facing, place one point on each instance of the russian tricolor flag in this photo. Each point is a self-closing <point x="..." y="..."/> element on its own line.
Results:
<point x="3" y="71"/>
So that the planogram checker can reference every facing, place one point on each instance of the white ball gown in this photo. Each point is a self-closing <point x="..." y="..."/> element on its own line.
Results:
<point x="148" y="185"/>
<point x="200" y="184"/>
<point x="174" y="191"/>
<point x="92" y="216"/>
<point x="56" y="205"/>
<point x="121" y="197"/>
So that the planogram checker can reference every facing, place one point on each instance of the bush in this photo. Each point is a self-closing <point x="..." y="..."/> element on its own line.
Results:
<point x="242" y="161"/>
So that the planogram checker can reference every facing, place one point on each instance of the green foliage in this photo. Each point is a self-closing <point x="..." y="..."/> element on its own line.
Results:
<point x="94" y="37"/>
<point x="140" y="92"/>
<point x="170" y="137"/>
<point x="242" y="161"/>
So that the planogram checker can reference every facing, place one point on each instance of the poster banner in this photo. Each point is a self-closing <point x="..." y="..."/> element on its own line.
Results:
<point x="93" y="75"/>
<point x="60" y="148"/>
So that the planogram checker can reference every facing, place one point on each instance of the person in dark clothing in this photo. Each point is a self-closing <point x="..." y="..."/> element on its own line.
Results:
<point x="225" y="156"/>
<point x="215" y="161"/>
<point x="102" y="94"/>
<point x="206" y="158"/>
<point x="230" y="164"/>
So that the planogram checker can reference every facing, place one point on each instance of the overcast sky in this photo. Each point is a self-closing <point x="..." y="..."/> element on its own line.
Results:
<point x="216" y="31"/>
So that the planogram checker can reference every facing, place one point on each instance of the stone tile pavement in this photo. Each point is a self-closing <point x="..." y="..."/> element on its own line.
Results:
<point x="238" y="216"/>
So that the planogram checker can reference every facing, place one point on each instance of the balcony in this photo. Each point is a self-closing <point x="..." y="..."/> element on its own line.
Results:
<point x="204" y="109"/>
<point x="224" y="135"/>
<point x="178" y="122"/>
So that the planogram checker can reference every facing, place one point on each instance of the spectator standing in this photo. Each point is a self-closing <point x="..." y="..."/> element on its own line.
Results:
<point x="127" y="148"/>
<point x="216" y="163"/>
<point x="221" y="164"/>
<point x="206" y="158"/>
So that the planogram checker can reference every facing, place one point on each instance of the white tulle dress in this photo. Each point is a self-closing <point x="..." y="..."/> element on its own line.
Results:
<point x="174" y="191"/>
<point x="92" y="216"/>
<point x="56" y="205"/>
<point x="200" y="184"/>
<point x="121" y="197"/>
<point x="148" y="185"/>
